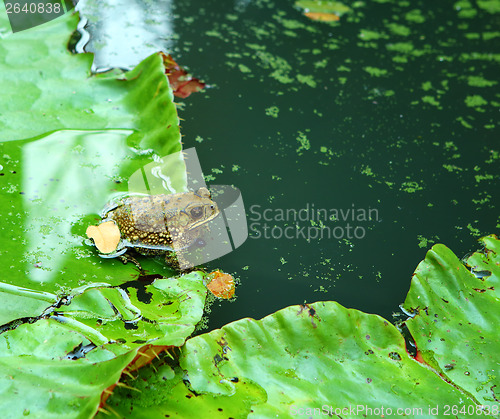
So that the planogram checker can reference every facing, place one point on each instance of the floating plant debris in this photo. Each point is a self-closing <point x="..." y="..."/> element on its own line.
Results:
<point x="106" y="236"/>
<point x="221" y="284"/>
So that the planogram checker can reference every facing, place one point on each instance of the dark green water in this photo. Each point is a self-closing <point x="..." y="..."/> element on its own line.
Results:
<point x="395" y="108"/>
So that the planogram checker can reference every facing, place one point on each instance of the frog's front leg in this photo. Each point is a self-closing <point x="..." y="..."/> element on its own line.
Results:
<point x="180" y="263"/>
<point x="125" y="258"/>
<point x="172" y="260"/>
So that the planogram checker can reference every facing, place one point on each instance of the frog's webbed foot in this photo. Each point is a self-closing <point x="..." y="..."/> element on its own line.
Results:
<point x="125" y="258"/>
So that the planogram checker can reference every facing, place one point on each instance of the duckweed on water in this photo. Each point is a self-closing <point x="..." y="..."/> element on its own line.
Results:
<point x="424" y="242"/>
<point x="411" y="187"/>
<point x="376" y="72"/>
<point x="415" y="16"/>
<point x="479" y="81"/>
<point x="304" y="143"/>
<point x="306" y="79"/>
<point x="272" y="111"/>
<point x="397" y="29"/>
<point x="431" y="100"/>
<point x="244" y="69"/>
<point x="475" y="101"/>
<point x="373" y="119"/>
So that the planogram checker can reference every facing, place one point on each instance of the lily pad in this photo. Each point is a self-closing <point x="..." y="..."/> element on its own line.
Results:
<point x="324" y="359"/>
<point x="457" y="313"/>
<point x="46" y="88"/>
<point x="69" y="141"/>
<point x="301" y="357"/>
<point x="20" y="302"/>
<point x="164" y="312"/>
<point x="39" y="380"/>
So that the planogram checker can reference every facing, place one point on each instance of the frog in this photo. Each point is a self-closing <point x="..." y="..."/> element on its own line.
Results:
<point x="170" y="225"/>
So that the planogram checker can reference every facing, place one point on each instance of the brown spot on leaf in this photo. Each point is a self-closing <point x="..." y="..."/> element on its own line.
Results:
<point x="395" y="356"/>
<point x="484" y="290"/>
<point x="222" y="342"/>
<point x="311" y="313"/>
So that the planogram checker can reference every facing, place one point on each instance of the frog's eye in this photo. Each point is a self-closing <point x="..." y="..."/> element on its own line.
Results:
<point x="203" y="193"/>
<point x="196" y="212"/>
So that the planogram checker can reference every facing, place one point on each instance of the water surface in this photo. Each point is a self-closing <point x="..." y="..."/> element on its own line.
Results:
<point x="394" y="108"/>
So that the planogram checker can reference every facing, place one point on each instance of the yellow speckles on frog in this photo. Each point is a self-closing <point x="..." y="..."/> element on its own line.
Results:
<point x="156" y="225"/>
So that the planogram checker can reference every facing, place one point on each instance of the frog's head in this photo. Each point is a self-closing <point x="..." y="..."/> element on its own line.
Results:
<point x="200" y="209"/>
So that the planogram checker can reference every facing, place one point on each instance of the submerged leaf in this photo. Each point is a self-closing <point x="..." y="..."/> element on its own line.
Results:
<point x="323" y="17"/>
<point x="181" y="82"/>
<point x="319" y="8"/>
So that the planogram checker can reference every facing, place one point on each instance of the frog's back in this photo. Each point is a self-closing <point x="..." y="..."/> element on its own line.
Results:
<point x="141" y="220"/>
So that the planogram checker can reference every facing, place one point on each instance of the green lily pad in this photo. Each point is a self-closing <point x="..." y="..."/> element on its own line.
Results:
<point x="157" y="393"/>
<point x="39" y="381"/>
<point x="162" y="313"/>
<point x="45" y="372"/>
<point x="457" y="313"/>
<point x="312" y="360"/>
<point x="70" y="141"/>
<point x="295" y="360"/>
<point x="486" y="264"/>
<point x="62" y="181"/>
<point x="19" y="302"/>
<point x="46" y="88"/>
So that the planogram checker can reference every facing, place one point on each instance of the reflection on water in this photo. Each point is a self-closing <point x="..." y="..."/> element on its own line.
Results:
<point x="144" y="27"/>
<point x="65" y="176"/>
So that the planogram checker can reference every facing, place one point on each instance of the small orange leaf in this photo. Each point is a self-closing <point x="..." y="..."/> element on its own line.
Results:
<point x="221" y="284"/>
<point x="323" y="17"/>
<point x="106" y="236"/>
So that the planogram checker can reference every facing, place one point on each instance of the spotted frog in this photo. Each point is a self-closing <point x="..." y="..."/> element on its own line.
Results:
<point x="169" y="225"/>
